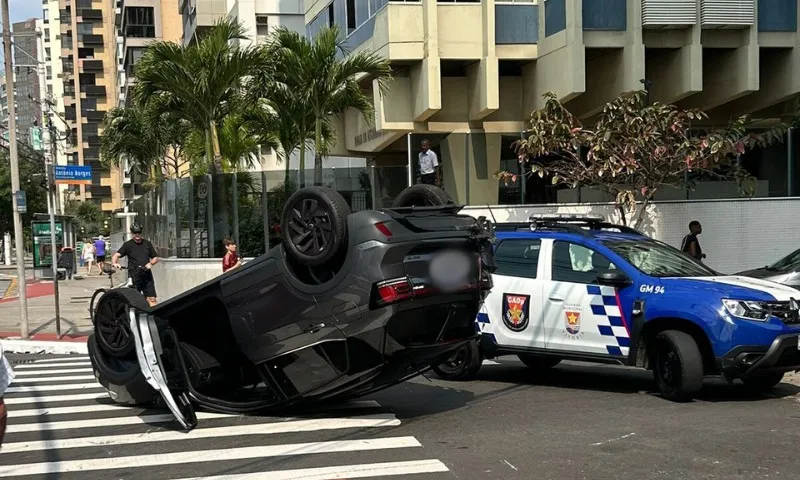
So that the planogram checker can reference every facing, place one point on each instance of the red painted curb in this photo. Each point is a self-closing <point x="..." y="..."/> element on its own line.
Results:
<point x="49" y="337"/>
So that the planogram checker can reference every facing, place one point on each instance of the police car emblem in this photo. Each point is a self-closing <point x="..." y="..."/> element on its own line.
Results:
<point x="572" y="322"/>
<point x="516" y="311"/>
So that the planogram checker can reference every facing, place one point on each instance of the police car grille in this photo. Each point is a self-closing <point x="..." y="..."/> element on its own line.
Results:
<point x="784" y="312"/>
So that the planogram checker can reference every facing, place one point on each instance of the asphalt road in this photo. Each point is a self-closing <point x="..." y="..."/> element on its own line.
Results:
<point x="578" y="421"/>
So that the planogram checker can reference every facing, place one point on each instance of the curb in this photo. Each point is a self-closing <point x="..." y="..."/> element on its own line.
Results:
<point x="17" y="345"/>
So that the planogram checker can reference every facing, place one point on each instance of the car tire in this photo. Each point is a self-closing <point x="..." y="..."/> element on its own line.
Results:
<point x="538" y="362"/>
<point x="764" y="382"/>
<point x="463" y="364"/>
<point x="320" y="211"/>
<point x="422" y="195"/>
<point x="677" y="365"/>
<point x="111" y="321"/>
<point x="122" y="378"/>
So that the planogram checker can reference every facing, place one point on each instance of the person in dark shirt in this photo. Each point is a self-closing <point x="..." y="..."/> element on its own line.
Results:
<point x="691" y="244"/>
<point x="231" y="258"/>
<point x="141" y="257"/>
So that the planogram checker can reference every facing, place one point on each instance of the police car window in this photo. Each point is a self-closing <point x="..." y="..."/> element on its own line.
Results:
<point x="658" y="259"/>
<point x="577" y="264"/>
<point x="518" y="257"/>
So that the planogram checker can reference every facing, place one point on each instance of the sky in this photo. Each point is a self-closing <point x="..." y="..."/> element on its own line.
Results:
<point x="24" y="9"/>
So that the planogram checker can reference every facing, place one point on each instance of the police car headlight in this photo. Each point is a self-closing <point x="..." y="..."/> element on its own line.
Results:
<point x="747" y="309"/>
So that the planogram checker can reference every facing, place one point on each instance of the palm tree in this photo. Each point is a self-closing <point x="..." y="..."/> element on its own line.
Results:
<point x="324" y="82"/>
<point x="200" y="83"/>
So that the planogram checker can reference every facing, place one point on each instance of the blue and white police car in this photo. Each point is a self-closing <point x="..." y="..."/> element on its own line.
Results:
<point x="580" y="288"/>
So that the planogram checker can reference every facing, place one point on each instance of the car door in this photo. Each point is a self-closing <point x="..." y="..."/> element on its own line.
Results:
<point x="512" y="311"/>
<point x="581" y="315"/>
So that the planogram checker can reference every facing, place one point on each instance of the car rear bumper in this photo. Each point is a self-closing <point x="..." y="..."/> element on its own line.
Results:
<point x="751" y="360"/>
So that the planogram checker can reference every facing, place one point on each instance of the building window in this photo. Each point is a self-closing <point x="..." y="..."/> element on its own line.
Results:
<point x="85" y="28"/>
<point x="139" y="22"/>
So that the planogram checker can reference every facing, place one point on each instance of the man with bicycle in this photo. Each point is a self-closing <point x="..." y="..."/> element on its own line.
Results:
<point x="141" y="257"/>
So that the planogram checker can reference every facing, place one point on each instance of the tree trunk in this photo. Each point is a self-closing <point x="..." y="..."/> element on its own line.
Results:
<point x="215" y="147"/>
<point x="317" y="152"/>
<point x="642" y="211"/>
<point x="301" y="178"/>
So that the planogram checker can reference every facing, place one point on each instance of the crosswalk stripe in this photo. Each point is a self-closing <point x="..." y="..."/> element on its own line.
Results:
<point x="365" y="470"/>
<point x="96" y="407"/>
<point x="175" y="458"/>
<point x="105" y="422"/>
<point x="53" y="388"/>
<point x="290" y="426"/>
<point x="55" y="398"/>
<point x="66" y="378"/>
<point x="35" y="373"/>
<point x="29" y="366"/>
<point x="63" y="359"/>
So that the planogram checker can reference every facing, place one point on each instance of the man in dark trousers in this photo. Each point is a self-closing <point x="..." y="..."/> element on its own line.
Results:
<point x="691" y="244"/>
<point x="141" y="257"/>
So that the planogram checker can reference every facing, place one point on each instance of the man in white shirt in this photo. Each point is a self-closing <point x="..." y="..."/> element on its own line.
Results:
<point x="428" y="165"/>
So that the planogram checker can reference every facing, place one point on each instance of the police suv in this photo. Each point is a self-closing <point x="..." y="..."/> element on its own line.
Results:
<point x="579" y="288"/>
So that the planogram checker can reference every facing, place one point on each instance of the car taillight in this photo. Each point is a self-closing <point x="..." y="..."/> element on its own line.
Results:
<point x="395" y="290"/>
<point x="384" y="229"/>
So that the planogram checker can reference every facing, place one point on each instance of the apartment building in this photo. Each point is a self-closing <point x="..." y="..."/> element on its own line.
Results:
<point x="89" y="81"/>
<point x="26" y="78"/>
<point x="52" y="80"/>
<point x="468" y="74"/>
<point x="259" y="17"/>
<point x="138" y="23"/>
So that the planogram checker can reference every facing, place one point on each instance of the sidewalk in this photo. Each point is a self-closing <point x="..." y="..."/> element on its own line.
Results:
<point x="74" y="298"/>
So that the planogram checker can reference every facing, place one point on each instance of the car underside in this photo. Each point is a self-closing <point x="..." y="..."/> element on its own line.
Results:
<point x="350" y="303"/>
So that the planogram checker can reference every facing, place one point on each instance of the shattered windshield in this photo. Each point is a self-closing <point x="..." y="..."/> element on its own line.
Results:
<point x="658" y="259"/>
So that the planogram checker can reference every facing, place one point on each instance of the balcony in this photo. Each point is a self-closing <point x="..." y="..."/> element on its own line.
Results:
<point x="100" y="191"/>
<point x="777" y="15"/>
<point x="93" y="140"/>
<point x="90" y="14"/>
<point x="94" y="115"/>
<point x="94" y="90"/>
<point x="92" y="65"/>
<point x="91" y="39"/>
<point x="727" y="13"/>
<point x="91" y="154"/>
<point x="669" y="13"/>
<point x="604" y="15"/>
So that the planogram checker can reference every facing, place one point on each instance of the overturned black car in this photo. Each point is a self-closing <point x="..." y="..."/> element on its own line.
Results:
<point x="350" y="303"/>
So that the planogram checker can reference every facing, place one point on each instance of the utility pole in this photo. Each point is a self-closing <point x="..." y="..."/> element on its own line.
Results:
<point x="49" y="156"/>
<point x="12" y="148"/>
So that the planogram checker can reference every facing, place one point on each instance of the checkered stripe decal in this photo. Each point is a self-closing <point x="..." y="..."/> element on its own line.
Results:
<point x="610" y="321"/>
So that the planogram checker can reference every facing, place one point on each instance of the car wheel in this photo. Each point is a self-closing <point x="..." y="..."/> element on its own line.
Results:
<point x="314" y="225"/>
<point x="677" y="365"/>
<point x="764" y="382"/>
<point x="122" y="378"/>
<point x="111" y="321"/>
<point x="462" y="364"/>
<point x="422" y="195"/>
<point x="536" y="362"/>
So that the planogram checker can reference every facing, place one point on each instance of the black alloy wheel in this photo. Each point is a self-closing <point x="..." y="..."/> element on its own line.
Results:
<point x="111" y="325"/>
<point x="310" y="227"/>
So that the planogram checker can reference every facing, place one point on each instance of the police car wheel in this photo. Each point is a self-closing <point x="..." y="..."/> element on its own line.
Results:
<point x="462" y="364"/>
<point x="677" y="365"/>
<point x="764" y="382"/>
<point x="535" y="362"/>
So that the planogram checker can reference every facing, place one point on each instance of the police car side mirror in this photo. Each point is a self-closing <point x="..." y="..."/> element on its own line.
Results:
<point x="614" y="278"/>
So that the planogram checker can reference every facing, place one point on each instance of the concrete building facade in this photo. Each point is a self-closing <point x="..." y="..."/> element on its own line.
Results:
<point x="469" y="73"/>
<point x="26" y="49"/>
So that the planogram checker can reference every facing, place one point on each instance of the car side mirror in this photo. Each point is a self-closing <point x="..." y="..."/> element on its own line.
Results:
<point x="614" y="278"/>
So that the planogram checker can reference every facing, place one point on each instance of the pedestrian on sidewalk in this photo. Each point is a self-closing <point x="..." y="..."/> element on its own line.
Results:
<point x="100" y="253"/>
<point x="690" y="244"/>
<point x="231" y="258"/>
<point x="88" y="255"/>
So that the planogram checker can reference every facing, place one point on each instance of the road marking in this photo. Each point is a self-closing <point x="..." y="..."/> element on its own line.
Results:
<point x="176" y="458"/>
<point x="104" y="422"/>
<point x="63" y="359"/>
<point x="97" y="407"/>
<point x="366" y="421"/>
<point x="55" y="398"/>
<point x="26" y="366"/>
<point x="52" y="388"/>
<point x="34" y="373"/>
<point x="65" y="378"/>
<point x="365" y="470"/>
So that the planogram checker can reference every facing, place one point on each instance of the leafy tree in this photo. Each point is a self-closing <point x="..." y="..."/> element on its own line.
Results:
<point x="325" y="80"/>
<point x="89" y="218"/>
<point x="634" y="150"/>
<point x="200" y="83"/>
<point x="32" y="180"/>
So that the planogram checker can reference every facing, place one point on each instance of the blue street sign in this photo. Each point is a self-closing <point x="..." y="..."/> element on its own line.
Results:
<point x="73" y="174"/>
<point x="22" y="204"/>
